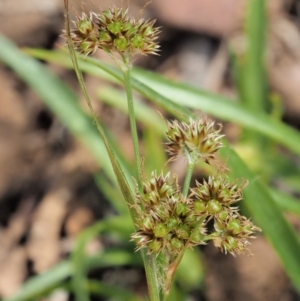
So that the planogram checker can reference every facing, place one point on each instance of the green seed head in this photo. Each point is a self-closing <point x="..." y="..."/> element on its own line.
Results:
<point x="121" y="44"/>
<point x="199" y="207"/>
<point x="197" y="237"/>
<point x="181" y="209"/>
<point x="172" y="223"/>
<point x="213" y="207"/>
<point x="160" y="230"/>
<point x="115" y="27"/>
<point x="104" y="36"/>
<point x="147" y="223"/>
<point x="176" y="243"/>
<point x="183" y="231"/>
<point x="234" y="226"/>
<point x="137" y="41"/>
<point x="88" y="47"/>
<point x="85" y="26"/>
<point x="155" y="245"/>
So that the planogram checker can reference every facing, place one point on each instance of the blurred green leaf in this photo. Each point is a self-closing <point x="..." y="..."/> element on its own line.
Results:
<point x="122" y="226"/>
<point x="41" y="285"/>
<point x="260" y="205"/>
<point x="108" y="290"/>
<point x="166" y="92"/>
<point x="145" y="115"/>
<point x="58" y="97"/>
<point x="190" y="272"/>
<point x="111" y="192"/>
<point x="286" y="202"/>
<point x="250" y="59"/>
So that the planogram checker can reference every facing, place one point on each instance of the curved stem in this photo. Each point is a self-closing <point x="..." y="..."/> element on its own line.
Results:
<point x="126" y="73"/>
<point x="189" y="173"/>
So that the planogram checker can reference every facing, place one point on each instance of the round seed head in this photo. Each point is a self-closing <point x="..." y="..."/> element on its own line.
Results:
<point x="197" y="138"/>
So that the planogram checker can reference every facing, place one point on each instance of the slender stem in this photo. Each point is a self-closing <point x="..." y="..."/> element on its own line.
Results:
<point x="189" y="173"/>
<point x="150" y="265"/>
<point x="126" y="73"/>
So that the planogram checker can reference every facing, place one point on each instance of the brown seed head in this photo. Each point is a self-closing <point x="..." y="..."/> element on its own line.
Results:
<point x="196" y="139"/>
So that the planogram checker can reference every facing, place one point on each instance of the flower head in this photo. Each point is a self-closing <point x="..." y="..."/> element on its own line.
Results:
<point x="114" y="31"/>
<point x="216" y="195"/>
<point x="197" y="139"/>
<point x="233" y="235"/>
<point x="85" y="34"/>
<point x="166" y="224"/>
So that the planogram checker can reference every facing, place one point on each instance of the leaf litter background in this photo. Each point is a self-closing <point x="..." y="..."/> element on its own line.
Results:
<point x="47" y="190"/>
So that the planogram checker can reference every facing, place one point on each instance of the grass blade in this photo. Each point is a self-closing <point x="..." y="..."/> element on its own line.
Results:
<point x="166" y="92"/>
<point x="261" y="206"/>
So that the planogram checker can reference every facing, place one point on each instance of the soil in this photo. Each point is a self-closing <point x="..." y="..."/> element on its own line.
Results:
<point x="47" y="191"/>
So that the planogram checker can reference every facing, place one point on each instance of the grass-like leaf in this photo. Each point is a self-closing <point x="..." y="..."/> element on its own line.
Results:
<point x="261" y="206"/>
<point x="251" y="74"/>
<point x="177" y="97"/>
<point x="41" y="285"/>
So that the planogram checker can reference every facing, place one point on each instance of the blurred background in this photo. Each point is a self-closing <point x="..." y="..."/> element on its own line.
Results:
<point x="48" y="191"/>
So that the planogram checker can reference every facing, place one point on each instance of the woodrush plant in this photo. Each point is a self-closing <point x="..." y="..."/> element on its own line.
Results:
<point x="168" y="219"/>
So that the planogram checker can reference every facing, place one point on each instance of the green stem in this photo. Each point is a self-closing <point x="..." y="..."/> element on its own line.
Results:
<point x="126" y="73"/>
<point x="149" y="261"/>
<point x="150" y="265"/>
<point x="189" y="173"/>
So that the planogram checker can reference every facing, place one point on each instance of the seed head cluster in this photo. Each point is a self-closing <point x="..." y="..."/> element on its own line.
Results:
<point x="170" y="222"/>
<point x="113" y="31"/>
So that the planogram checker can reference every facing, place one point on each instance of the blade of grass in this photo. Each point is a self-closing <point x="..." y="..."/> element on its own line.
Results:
<point x="40" y="285"/>
<point x="249" y="66"/>
<point x="190" y="278"/>
<point x="261" y="206"/>
<point x="79" y="279"/>
<point x="58" y="97"/>
<point x="107" y="290"/>
<point x="154" y="151"/>
<point x="251" y="75"/>
<point x="111" y="192"/>
<point x="286" y="202"/>
<point x="96" y="67"/>
<point x="163" y="91"/>
<point x="117" y="99"/>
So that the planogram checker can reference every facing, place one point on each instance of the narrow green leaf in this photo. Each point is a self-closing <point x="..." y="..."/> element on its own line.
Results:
<point x="111" y="192"/>
<point x="121" y="225"/>
<point x="40" y="285"/>
<point x="108" y="290"/>
<point x="286" y="202"/>
<point x="154" y="151"/>
<point x="144" y="114"/>
<point x="251" y="74"/>
<point x="163" y="91"/>
<point x="58" y="97"/>
<point x="261" y="206"/>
